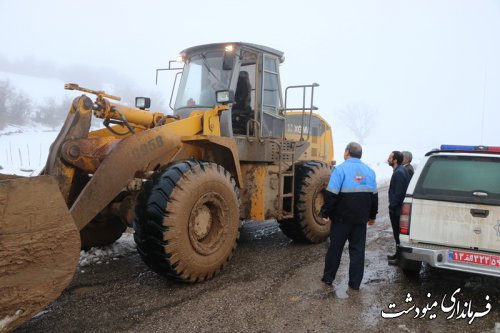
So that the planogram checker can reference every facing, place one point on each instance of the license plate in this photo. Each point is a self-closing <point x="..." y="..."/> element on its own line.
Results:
<point x="474" y="258"/>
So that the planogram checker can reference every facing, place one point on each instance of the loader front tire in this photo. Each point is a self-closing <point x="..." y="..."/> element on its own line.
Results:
<point x="307" y="226"/>
<point x="187" y="221"/>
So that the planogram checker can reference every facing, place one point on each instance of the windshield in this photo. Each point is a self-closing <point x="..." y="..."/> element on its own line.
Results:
<point x="202" y="77"/>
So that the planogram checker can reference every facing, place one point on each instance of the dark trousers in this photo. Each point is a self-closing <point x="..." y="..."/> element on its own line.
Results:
<point x="339" y="234"/>
<point x="395" y="226"/>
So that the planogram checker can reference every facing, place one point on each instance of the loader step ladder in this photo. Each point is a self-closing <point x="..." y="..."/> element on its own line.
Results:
<point x="286" y="181"/>
<point x="287" y="151"/>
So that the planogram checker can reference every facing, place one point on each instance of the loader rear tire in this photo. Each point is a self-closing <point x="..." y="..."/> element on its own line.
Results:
<point x="311" y="180"/>
<point x="187" y="221"/>
<point x="101" y="231"/>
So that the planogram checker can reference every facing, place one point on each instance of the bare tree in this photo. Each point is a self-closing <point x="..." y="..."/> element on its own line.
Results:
<point x="19" y="109"/>
<point x="359" y="118"/>
<point x="5" y="93"/>
<point x="52" y="113"/>
<point x="15" y="108"/>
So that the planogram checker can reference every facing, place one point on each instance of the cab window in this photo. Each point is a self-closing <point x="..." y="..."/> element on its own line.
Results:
<point x="203" y="75"/>
<point x="271" y="98"/>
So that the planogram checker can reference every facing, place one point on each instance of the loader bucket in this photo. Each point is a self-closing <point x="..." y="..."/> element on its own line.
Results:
<point x="39" y="247"/>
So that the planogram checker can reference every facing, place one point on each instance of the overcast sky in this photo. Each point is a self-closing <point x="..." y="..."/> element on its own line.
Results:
<point x="429" y="69"/>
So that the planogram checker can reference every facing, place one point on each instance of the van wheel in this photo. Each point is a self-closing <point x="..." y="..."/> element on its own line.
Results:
<point x="187" y="221"/>
<point x="311" y="180"/>
<point x="410" y="267"/>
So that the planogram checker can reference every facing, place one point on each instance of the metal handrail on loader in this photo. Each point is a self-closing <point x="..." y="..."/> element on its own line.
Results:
<point x="311" y="108"/>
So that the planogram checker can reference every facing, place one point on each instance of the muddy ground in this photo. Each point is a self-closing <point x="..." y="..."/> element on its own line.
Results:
<point x="273" y="285"/>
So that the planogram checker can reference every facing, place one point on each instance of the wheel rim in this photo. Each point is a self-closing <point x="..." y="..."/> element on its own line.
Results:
<point x="207" y="224"/>
<point x="318" y="202"/>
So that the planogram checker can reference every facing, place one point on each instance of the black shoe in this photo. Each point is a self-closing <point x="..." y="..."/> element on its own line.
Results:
<point x="352" y="287"/>
<point x="392" y="257"/>
<point x="325" y="281"/>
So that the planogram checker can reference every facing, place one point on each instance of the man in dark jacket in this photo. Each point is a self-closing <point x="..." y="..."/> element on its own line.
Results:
<point x="351" y="200"/>
<point x="397" y="191"/>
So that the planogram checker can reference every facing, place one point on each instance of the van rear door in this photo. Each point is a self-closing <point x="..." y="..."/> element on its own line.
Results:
<point x="487" y="229"/>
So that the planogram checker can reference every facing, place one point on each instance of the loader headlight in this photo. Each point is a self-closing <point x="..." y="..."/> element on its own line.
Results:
<point x="142" y="103"/>
<point x="224" y="96"/>
<point x="180" y="58"/>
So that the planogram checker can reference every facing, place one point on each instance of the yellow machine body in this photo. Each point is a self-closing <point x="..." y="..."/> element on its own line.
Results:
<point x="183" y="181"/>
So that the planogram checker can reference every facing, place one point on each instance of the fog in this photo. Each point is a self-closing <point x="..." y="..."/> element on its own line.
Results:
<point x="429" y="70"/>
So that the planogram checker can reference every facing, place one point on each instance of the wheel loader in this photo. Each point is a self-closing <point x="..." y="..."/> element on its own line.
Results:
<point x="232" y="149"/>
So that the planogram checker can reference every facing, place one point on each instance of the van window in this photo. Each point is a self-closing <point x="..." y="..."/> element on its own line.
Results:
<point x="456" y="178"/>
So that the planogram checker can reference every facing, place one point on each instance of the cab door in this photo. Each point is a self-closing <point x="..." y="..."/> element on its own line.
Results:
<point x="272" y="121"/>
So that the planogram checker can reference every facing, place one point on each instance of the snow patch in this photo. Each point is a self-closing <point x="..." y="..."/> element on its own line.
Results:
<point x="4" y="323"/>
<point x="24" y="150"/>
<point x="104" y="254"/>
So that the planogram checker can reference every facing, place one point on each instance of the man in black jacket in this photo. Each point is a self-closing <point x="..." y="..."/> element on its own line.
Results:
<point x="397" y="191"/>
<point x="351" y="202"/>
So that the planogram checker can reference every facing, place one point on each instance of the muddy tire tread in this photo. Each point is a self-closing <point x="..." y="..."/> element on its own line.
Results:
<point x="297" y="228"/>
<point x="154" y="206"/>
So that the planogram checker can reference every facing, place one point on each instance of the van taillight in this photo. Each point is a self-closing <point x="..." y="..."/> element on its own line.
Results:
<point x="404" y="222"/>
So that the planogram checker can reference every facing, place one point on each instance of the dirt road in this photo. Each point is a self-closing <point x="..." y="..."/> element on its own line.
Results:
<point x="273" y="285"/>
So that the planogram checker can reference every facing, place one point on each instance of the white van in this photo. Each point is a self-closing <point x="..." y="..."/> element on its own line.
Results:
<point x="451" y="214"/>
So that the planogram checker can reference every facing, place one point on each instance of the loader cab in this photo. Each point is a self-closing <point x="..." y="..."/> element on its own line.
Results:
<point x="247" y="75"/>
